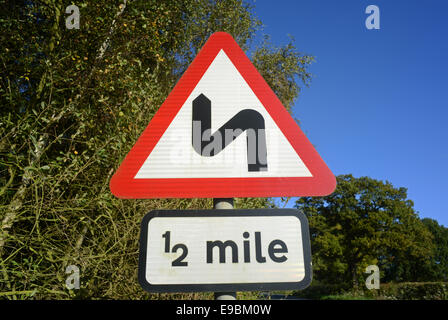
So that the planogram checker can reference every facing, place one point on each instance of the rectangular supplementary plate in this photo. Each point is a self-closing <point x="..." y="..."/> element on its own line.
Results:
<point x="224" y="250"/>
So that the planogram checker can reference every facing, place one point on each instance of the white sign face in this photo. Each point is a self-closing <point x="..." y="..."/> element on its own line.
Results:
<point x="174" y="156"/>
<point x="212" y="250"/>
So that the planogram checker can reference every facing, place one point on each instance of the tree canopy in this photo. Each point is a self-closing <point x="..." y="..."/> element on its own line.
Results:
<point x="364" y="222"/>
<point x="436" y="269"/>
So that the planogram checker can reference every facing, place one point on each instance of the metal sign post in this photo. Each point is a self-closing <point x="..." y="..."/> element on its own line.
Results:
<point x="226" y="204"/>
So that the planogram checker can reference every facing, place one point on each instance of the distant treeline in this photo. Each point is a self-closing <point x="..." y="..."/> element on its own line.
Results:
<point x="370" y="222"/>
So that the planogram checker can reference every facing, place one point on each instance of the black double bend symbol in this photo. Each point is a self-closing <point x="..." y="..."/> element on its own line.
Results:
<point x="208" y="145"/>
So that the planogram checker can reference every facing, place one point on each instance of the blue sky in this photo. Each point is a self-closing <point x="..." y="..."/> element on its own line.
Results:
<point x="377" y="105"/>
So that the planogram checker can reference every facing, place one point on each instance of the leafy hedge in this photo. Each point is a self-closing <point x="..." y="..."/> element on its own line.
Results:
<point x="318" y="290"/>
<point x="411" y="291"/>
<point x="72" y="104"/>
<point x="387" y="291"/>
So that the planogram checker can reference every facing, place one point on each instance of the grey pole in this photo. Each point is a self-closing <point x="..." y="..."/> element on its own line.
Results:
<point x="224" y="203"/>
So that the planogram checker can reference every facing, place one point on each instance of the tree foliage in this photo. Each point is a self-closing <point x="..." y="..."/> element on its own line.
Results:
<point x="73" y="103"/>
<point x="436" y="269"/>
<point x="272" y="62"/>
<point x="364" y="222"/>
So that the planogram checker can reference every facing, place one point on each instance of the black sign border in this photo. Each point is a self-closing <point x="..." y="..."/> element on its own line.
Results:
<point x="227" y="287"/>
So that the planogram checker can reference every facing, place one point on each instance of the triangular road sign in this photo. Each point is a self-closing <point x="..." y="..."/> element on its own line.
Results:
<point x="186" y="152"/>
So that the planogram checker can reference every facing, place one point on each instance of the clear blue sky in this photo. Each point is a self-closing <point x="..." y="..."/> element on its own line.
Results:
<point x="377" y="105"/>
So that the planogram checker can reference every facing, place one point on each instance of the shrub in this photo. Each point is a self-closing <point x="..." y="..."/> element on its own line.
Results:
<point x="318" y="290"/>
<point x="411" y="291"/>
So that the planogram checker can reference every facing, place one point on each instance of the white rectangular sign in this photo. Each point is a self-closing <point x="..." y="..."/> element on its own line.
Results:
<point x="216" y="250"/>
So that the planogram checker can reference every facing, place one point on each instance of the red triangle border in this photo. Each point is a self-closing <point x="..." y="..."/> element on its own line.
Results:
<point x="123" y="184"/>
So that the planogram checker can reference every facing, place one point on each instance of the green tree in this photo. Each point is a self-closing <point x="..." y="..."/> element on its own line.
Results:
<point x="364" y="222"/>
<point x="436" y="269"/>
<point x="73" y="103"/>
<point x="272" y="62"/>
